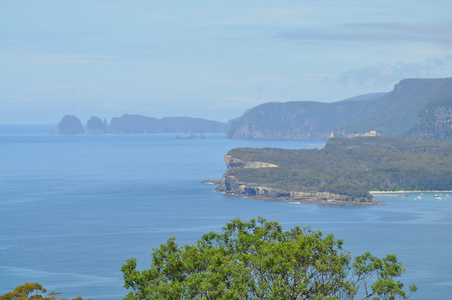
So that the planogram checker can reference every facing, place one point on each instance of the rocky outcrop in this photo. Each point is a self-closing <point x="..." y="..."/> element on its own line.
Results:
<point x="96" y="126"/>
<point x="70" y="125"/>
<point x="232" y="186"/>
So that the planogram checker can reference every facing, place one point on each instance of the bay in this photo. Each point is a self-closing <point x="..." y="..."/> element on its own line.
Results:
<point x="73" y="208"/>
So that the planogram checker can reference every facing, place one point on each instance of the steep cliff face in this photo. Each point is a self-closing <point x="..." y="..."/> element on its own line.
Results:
<point x="232" y="186"/>
<point x="133" y="124"/>
<point x="142" y="124"/>
<point x="96" y="126"/>
<point x="70" y="125"/>
<point x="295" y="120"/>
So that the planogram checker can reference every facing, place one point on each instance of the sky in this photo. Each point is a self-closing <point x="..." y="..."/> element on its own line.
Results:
<point x="209" y="59"/>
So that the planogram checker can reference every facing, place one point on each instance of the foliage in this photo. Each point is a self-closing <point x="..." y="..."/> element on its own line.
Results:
<point x="258" y="260"/>
<point x="32" y="291"/>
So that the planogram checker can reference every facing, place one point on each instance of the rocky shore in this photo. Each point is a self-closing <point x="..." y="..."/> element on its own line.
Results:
<point x="232" y="187"/>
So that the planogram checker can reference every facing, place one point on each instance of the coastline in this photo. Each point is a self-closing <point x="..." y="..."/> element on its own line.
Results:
<point x="396" y="193"/>
<point x="401" y="193"/>
<point x="217" y="182"/>
<point x="306" y="201"/>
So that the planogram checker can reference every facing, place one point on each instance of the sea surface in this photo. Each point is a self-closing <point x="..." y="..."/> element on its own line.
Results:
<point x="74" y="208"/>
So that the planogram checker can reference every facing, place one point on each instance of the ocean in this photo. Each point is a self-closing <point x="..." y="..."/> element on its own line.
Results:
<point x="74" y="208"/>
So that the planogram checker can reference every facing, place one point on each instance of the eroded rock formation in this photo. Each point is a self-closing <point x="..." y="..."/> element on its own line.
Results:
<point x="70" y="125"/>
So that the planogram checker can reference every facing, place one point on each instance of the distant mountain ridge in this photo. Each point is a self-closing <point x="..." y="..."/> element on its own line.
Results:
<point x="395" y="113"/>
<point x="140" y="124"/>
<point x="70" y="125"/>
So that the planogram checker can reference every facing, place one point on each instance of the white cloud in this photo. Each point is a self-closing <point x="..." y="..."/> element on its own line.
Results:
<point x="377" y="32"/>
<point x="385" y="73"/>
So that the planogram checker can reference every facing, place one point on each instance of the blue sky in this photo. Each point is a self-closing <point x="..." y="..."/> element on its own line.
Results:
<point x="209" y="59"/>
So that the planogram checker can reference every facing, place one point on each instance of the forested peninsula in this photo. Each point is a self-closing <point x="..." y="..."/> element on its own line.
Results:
<point x="343" y="172"/>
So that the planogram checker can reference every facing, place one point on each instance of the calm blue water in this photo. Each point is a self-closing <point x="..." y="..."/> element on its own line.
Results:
<point x="74" y="208"/>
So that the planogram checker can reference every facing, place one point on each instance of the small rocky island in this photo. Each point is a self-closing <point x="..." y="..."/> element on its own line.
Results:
<point x="341" y="173"/>
<point x="96" y="126"/>
<point x="70" y="125"/>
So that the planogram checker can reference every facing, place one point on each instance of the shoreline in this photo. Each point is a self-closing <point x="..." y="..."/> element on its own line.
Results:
<point x="327" y="202"/>
<point x="397" y="193"/>
<point x="295" y="200"/>
<point x="306" y="201"/>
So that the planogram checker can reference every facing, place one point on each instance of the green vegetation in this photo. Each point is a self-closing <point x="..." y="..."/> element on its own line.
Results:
<point x="258" y="260"/>
<point x="255" y="260"/>
<point x="32" y="291"/>
<point x="351" y="167"/>
<point x="396" y="113"/>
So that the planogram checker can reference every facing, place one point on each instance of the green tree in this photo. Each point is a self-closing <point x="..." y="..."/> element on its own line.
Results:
<point x="25" y="292"/>
<point x="32" y="291"/>
<point x="258" y="260"/>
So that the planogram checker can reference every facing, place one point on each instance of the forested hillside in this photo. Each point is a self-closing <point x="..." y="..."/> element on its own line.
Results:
<point x="395" y="113"/>
<point x="349" y="167"/>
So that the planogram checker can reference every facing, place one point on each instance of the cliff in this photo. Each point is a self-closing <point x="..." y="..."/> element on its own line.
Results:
<point x="142" y="124"/>
<point x="295" y="120"/>
<point x="70" y="125"/>
<point x="390" y="114"/>
<point x="133" y="124"/>
<point x="96" y="126"/>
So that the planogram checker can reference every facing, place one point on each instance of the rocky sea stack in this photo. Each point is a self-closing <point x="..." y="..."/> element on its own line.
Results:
<point x="96" y="126"/>
<point x="70" y="125"/>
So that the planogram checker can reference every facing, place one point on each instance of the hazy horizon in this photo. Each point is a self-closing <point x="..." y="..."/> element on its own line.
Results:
<point x="120" y="115"/>
<point x="210" y="60"/>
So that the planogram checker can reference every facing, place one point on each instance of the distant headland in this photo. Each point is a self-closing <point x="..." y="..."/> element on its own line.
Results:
<point x="139" y="124"/>
<point x="415" y="108"/>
